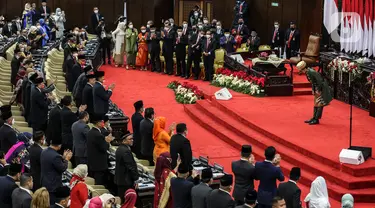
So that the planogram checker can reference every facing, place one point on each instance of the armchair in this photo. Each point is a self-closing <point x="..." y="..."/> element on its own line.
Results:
<point x="311" y="55"/>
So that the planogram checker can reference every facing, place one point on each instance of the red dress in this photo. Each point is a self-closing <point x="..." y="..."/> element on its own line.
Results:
<point x="165" y="180"/>
<point x="79" y="193"/>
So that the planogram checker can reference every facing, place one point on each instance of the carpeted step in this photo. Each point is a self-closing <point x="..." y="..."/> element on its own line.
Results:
<point x="302" y="91"/>
<point x="302" y="85"/>
<point x="236" y="141"/>
<point x="336" y="176"/>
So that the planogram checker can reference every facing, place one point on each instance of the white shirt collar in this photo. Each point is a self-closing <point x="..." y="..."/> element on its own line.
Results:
<point x="99" y="83"/>
<point x="268" y="161"/>
<point x="8" y="125"/>
<point x="224" y="191"/>
<point x="59" y="205"/>
<point x="243" y="159"/>
<point x="89" y="84"/>
<point x="28" y="191"/>
<point x="151" y="120"/>
<point x="293" y="181"/>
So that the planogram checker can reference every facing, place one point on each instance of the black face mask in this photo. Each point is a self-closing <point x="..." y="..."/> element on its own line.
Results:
<point x="241" y="23"/>
<point x="194" y="29"/>
<point x="292" y="28"/>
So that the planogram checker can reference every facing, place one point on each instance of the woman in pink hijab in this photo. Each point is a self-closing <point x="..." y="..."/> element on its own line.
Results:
<point x="130" y="199"/>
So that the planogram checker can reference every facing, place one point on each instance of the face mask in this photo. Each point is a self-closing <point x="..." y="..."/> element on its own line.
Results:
<point x="96" y="11"/>
<point x="185" y="25"/>
<point x="226" y="35"/>
<point x="276" y="26"/>
<point x="240" y="23"/>
<point x="47" y="23"/>
<point x="152" y="31"/>
<point x="200" y="26"/>
<point x="218" y="27"/>
<point x="172" y="23"/>
<point x="196" y="14"/>
<point x="58" y="13"/>
<point x="76" y="32"/>
<point x="131" y="26"/>
<point x="179" y="33"/>
<point x="13" y="121"/>
<point x="38" y="26"/>
<point x="208" y="36"/>
<point x="205" y="21"/>
<point x="292" y="28"/>
<point x="9" y="25"/>
<point x="148" y="26"/>
<point x="82" y="33"/>
<point x="143" y="31"/>
<point x="194" y="29"/>
<point x="253" y="35"/>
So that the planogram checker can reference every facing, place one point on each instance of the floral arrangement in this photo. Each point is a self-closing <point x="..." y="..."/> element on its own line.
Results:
<point x="344" y="66"/>
<point x="186" y="93"/>
<point x="263" y="56"/>
<point x="239" y="81"/>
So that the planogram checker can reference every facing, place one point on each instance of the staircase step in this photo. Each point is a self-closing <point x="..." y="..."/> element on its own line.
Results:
<point x="336" y="176"/>
<point x="302" y="85"/>
<point x="236" y="141"/>
<point x="302" y="91"/>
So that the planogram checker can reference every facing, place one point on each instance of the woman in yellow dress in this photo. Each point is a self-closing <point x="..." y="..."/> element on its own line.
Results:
<point x="142" y="49"/>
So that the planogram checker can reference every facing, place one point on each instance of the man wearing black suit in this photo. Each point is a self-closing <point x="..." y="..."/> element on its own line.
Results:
<point x="80" y="130"/>
<point x="62" y="197"/>
<point x="137" y="118"/>
<point x="242" y="30"/>
<point x="209" y="47"/>
<point x="95" y="18"/>
<point x="290" y="191"/>
<point x="181" y="188"/>
<point x="221" y="198"/>
<point x="68" y="117"/>
<point x="126" y="173"/>
<point x="15" y="65"/>
<point x="21" y="197"/>
<point x="267" y="172"/>
<point x="180" y="146"/>
<point x="277" y="40"/>
<point x="153" y="39"/>
<point x="17" y="25"/>
<point x="87" y="94"/>
<point x="8" y="184"/>
<point x="97" y="146"/>
<point x="8" y="136"/>
<point x="53" y="165"/>
<point x="69" y="48"/>
<point x="250" y="199"/>
<point x="146" y="129"/>
<point x="80" y="85"/>
<point x="54" y="124"/>
<point x="195" y="53"/>
<point x="73" y="73"/>
<point x="180" y="47"/>
<point x="34" y="153"/>
<point x="8" y="30"/>
<point x="200" y="192"/>
<point x="253" y="42"/>
<point x="39" y="105"/>
<point x="292" y="40"/>
<point x="243" y="171"/>
<point x="44" y="10"/>
<point x="100" y="95"/>
<point x="4" y="167"/>
<point x="105" y="40"/>
<point x="168" y="36"/>
<point x="26" y="90"/>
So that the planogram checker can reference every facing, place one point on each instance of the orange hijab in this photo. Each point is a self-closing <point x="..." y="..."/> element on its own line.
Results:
<point x="159" y="126"/>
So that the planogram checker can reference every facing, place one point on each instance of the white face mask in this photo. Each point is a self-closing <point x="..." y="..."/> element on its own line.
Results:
<point x="148" y="26"/>
<point x="131" y="26"/>
<point x="76" y="32"/>
<point x="208" y="36"/>
<point x="96" y="11"/>
<point x="38" y="26"/>
<point x="205" y="21"/>
<point x="196" y="14"/>
<point x="10" y="25"/>
<point x="58" y="13"/>
<point x="179" y="33"/>
<point x="143" y="31"/>
<point x="152" y="31"/>
<point x="218" y="27"/>
<point x="13" y="121"/>
<point x="22" y="49"/>
<point x="276" y="26"/>
<point x="226" y="35"/>
<point x="185" y="25"/>
<point x="200" y="26"/>
<point x="172" y="23"/>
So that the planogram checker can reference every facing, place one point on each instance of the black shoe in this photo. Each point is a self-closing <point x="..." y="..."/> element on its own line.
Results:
<point x="314" y="122"/>
<point x="186" y="77"/>
<point x="177" y="75"/>
<point x="109" y="62"/>
<point x="308" y="121"/>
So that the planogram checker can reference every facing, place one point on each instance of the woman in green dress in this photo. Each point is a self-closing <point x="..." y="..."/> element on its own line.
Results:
<point x="131" y="35"/>
<point x="320" y="89"/>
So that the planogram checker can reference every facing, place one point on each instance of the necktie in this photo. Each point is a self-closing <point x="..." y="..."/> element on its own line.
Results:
<point x="274" y="35"/>
<point x="241" y="7"/>
<point x="184" y="31"/>
<point x="290" y="38"/>
<point x="208" y="43"/>
<point x="45" y="11"/>
<point x="239" y="29"/>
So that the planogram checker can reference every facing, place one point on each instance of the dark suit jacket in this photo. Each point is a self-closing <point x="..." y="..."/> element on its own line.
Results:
<point x="97" y="151"/>
<point x="181" y="192"/>
<point x="243" y="31"/>
<point x="199" y="195"/>
<point x="147" y="143"/>
<point x="53" y="166"/>
<point x="180" y="145"/>
<point x="21" y="198"/>
<point x="154" y="44"/>
<point x="168" y="43"/>
<point x="210" y="48"/>
<point x="16" y="26"/>
<point x="244" y="178"/>
<point x="220" y="199"/>
<point x="72" y="75"/>
<point x="41" y="12"/>
<point x="78" y="86"/>
<point x="34" y="153"/>
<point x="39" y="105"/>
<point x="126" y="168"/>
<point x="4" y="170"/>
<point x="279" y="40"/>
<point x="80" y="131"/>
<point x="15" y="66"/>
<point x="94" y="20"/>
<point x="136" y="126"/>
<point x="254" y="44"/>
<point x="295" y="41"/>
<point x="67" y="120"/>
<point x="67" y="53"/>
<point x="101" y="99"/>
<point x="291" y="193"/>
<point x="27" y="99"/>
<point x="267" y="174"/>
<point x="8" y="31"/>
<point x="180" y="47"/>
<point x="87" y="98"/>
<point x="194" y="46"/>
<point x="54" y="124"/>
<point x="8" y="138"/>
<point x="7" y="185"/>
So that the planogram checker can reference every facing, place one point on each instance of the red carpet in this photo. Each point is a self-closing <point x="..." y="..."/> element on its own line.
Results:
<point x="218" y="129"/>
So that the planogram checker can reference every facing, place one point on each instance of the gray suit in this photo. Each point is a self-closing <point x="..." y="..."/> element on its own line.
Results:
<point x="199" y="194"/>
<point x="244" y="179"/>
<point x="79" y="131"/>
<point x="21" y="198"/>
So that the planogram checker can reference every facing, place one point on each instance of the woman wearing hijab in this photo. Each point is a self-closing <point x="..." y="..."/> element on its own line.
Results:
<point x="103" y="201"/>
<point x="130" y="199"/>
<point x="318" y="196"/>
<point x="119" y="38"/>
<point x="27" y="16"/>
<point x="59" y="21"/>
<point x="347" y="201"/>
<point x="142" y="49"/>
<point x="131" y="35"/>
<point x="163" y="175"/>
<point x="43" y="30"/>
<point x="79" y="191"/>
<point x="161" y="137"/>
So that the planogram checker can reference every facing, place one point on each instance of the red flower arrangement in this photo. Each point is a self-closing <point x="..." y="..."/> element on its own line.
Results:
<point x="194" y="89"/>
<point x="242" y="75"/>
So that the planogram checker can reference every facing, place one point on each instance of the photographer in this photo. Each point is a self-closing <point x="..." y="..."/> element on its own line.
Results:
<point x="105" y="40"/>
